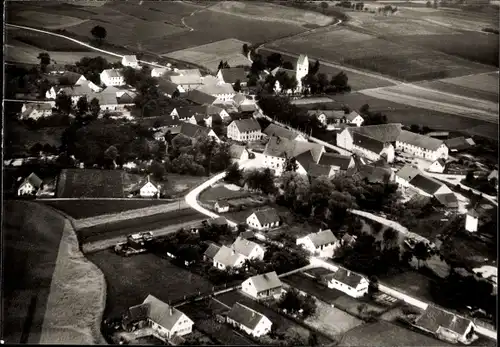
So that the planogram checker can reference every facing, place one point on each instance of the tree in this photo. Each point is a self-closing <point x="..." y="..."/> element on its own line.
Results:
<point x="287" y="65"/>
<point x="428" y="4"/>
<point x="373" y="285"/>
<point x="258" y="64"/>
<point x="221" y="65"/>
<point x="64" y="104"/>
<point x="292" y="301"/>
<point x="94" y="108"/>
<point x="322" y="81"/>
<point x="36" y="149"/>
<point x="324" y="6"/>
<point x="313" y="70"/>
<point x="340" y="82"/>
<point x="470" y="176"/>
<point x="82" y="106"/>
<point x="313" y="337"/>
<point x="234" y="174"/>
<point x="157" y="170"/>
<point x="44" y="60"/>
<point x="390" y="236"/>
<point x="421" y="252"/>
<point x="274" y="60"/>
<point x="226" y="65"/>
<point x="291" y="164"/>
<point x="365" y="109"/>
<point x="99" y="33"/>
<point x="415" y="128"/>
<point x="237" y="86"/>
<point x="245" y="49"/>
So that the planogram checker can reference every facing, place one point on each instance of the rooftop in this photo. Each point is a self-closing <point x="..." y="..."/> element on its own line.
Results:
<point x="281" y="147"/>
<point x="234" y="74"/>
<point x="345" y="276"/>
<point x="322" y="238"/>
<point x="247" y="125"/>
<point x="245" y="316"/>
<point x="267" y="216"/>
<point x="367" y="142"/>
<point x="337" y="160"/>
<point x="433" y="318"/>
<point x="200" y="98"/>
<point x="418" y="140"/>
<point x="408" y="172"/>
<point x="217" y="89"/>
<point x="427" y="184"/>
<point x="227" y="256"/>
<point x="276" y="130"/>
<point x="266" y="281"/>
<point x="381" y="132"/>
<point x="243" y="246"/>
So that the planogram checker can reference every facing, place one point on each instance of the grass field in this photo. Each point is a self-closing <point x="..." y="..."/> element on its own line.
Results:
<point x="411" y="282"/>
<point x="131" y="279"/>
<point x="43" y="41"/>
<point x="88" y="183"/>
<point x="126" y="227"/>
<point x="211" y="54"/>
<point x="218" y="192"/>
<point x="468" y="91"/>
<point x="44" y="20"/>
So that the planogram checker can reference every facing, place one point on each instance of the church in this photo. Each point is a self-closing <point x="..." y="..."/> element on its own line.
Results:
<point x="301" y="71"/>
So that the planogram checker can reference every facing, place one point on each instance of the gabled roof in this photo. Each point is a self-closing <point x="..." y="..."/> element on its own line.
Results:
<point x="167" y="86"/>
<point x="185" y="79"/>
<point x="337" y="160"/>
<point x="266" y="281"/>
<point x="189" y="72"/>
<point x="427" y="184"/>
<point x="34" y="180"/>
<point x="352" y="115"/>
<point x="222" y="203"/>
<point x="433" y="318"/>
<point x="344" y="276"/>
<point x="162" y="313"/>
<point x="39" y="106"/>
<point x="233" y="74"/>
<point x="408" y="172"/>
<point x="368" y="143"/>
<point x="70" y="77"/>
<point x="244" y="247"/>
<point x="348" y="238"/>
<point x="216" y="89"/>
<point x="190" y="130"/>
<point x="448" y="200"/>
<point x="79" y="90"/>
<point x="317" y="170"/>
<point x="137" y="313"/>
<point x="302" y="59"/>
<point x="131" y="59"/>
<point x="247" y="125"/>
<point x="247" y="108"/>
<point x="441" y="162"/>
<point x="418" y="140"/>
<point x="200" y="98"/>
<point x="458" y="143"/>
<point x="159" y="70"/>
<point x="227" y="256"/>
<point x="245" y="316"/>
<point x="381" y="132"/>
<point x="373" y="173"/>
<point x="493" y="174"/>
<point x="239" y="98"/>
<point x="112" y="73"/>
<point x="236" y="151"/>
<point x="279" y="131"/>
<point x="305" y="159"/>
<point x="142" y="183"/>
<point x="322" y="238"/>
<point x="218" y="221"/>
<point x="281" y="147"/>
<point x="211" y="251"/>
<point x="329" y="114"/>
<point x="267" y="216"/>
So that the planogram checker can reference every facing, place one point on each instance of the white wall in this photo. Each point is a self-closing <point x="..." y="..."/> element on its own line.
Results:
<point x="471" y="223"/>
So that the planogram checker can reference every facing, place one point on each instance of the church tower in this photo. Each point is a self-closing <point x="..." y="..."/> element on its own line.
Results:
<point x="302" y="69"/>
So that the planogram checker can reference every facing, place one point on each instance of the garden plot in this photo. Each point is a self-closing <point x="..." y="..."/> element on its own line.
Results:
<point x="74" y="183"/>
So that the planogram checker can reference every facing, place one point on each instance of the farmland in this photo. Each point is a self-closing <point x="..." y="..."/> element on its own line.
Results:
<point x="211" y="195"/>
<point x="211" y="54"/>
<point x="90" y="184"/>
<point x="43" y="41"/>
<point x="468" y="91"/>
<point x="131" y="279"/>
<point x="44" y="20"/>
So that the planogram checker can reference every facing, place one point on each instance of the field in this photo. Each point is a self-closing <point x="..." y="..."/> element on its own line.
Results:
<point x="469" y="90"/>
<point x="147" y="223"/>
<point x="364" y="51"/>
<point x="411" y="282"/>
<point x="44" y="20"/>
<point x="43" y="41"/>
<point x="211" y="54"/>
<point x="131" y="279"/>
<point x="218" y="192"/>
<point x="88" y="183"/>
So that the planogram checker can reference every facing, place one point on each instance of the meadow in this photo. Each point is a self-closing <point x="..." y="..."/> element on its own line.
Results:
<point x="468" y="90"/>
<point x="74" y="183"/>
<point x="43" y="41"/>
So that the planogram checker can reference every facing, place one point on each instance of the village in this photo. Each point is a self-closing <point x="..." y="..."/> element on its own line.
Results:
<point x="289" y="211"/>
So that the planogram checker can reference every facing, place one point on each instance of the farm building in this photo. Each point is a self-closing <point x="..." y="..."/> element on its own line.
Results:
<point x="244" y="130"/>
<point x="232" y="75"/>
<point x="317" y="170"/>
<point x="30" y="185"/>
<point x="249" y="320"/>
<point x="263" y="286"/>
<point x="478" y="216"/>
<point x="348" y="239"/>
<point x="348" y="282"/>
<point x="321" y="242"/>
<point x="226" y="258"/>
<point x="276" y="130"/>
<point x="238" y="153"/>
<point x="221" y="206"/>
<point x="193" y="131"/>
<point x="421" y="146"/>
<point x="75" y="92"/>
<point x="187" y="79"/>
<point x="130" y="61"/>
<point x="331" y="118"/>
<point x="210" y="252"/>
<point x="112" y="77"/>
<point x="207" y="114"/>
<point x="146" y="188"/>
<point x="113" y="99"/>
<point x="249" y="249"/>
<point x="372" y="173"/>
<point x="404" y="175"/>
<point x="339" y="163"/>
<point x="159" y="71"/>
<point x="164" y="320"/>
<point x="372" y="149"/>
<point x="278" y="149"/>
<point x="437" y="166"/>
<point x="446" y="325"/>
<point x="36" y="110"/>
<point x="458" y="144"/>
<point x="264" y="219"/>
<point x="169" y="89"/>
<point x="199" y="98"/>
<point x="222" y="92"/>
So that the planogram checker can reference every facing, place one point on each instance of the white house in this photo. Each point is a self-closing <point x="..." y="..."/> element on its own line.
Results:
<point x="165" y="321"/>
<point x="159" y="71"/>
<point x="263" y="286"/>
<point x="146" y="188"/>
<point x="238" y="153"/>
<point x="446" y="325"/>
<point x="188" y="79"/>
<point x="130" y="60"/>
<point x="339" y="163"/>
<point x="421" y="146"/>
<point x="221" y="206"/>
<point x="249" y="320"/>
<point x="321" y="242"/>
<point x="112" y="77"/>
<point x="30" y="185"/>
<point x="385" y="133"/>
<point x="249" y="249"/>
<point x="227" y="258"/>
<point x="276" y="130"/>
<point x="36" y="110"/>
<point x="471" y="221"/>
<point x="332" y="118"/>
<point x="244" y="130"/>
<point x="437" y="166"/>
<point x="404" y="175"/>
<point x="372" y="149"/>
<point x="193" y="131"/>
<point x="264" y="219"/>
<point x="348" y="282"/>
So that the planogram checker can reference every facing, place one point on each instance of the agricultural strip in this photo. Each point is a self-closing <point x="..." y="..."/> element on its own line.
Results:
<point x="90" y="184"/>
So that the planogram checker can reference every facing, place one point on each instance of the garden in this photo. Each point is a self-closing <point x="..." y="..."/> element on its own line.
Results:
<point x="87" y="183"/>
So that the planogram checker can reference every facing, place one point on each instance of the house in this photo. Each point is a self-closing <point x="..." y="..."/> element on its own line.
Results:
<point x="238" y="153"/>
<point x="263" y="286"/>
<point x="437" y="166"/>
<point x="421" y="146"/>
<point x="30" y="185"/>
<point x="75" y="92"/>
<point x="249" y="249"/>
<point x="112" y="77"/>
<point x="223" y="92"/>
<point x="159" y="71"/>
<point x="193" y="131"/>
<point x="264" y="219"/>
<point x="446" y="325"/>
<point x="458" y="144"/>
<point x="278" y="150"/>
<point x="384" y="133"/>
<point x="339" y="163"/>
<point x="210" y="252"/>
<point x="348" y="239"/>
<point x="146" y="188"/>
<point x="372" y="173"/>
<point x="169" y="89"/>
<point x="371" y="148"/>
<point x="348" y="282"/>
<point x="318" y="242"/>
<point x="276" y="130"/>
<point x="244" y="130"/>
<point x="208" y="113"/>
<point x="249" y="320"/>
<point x="187" y="79"/>
<point x="113" y="99"/>
<point x="471" y="221"/>
<point x="404" y="175"/>
<point x="227" y="258"/>
<point x="221" y="206"/>
<point x="200" y="98"/>
<point x="164" y="320"/>
<point x="317" y="170"/>
<point x="36" y="110"/>
<point x="332" y="118"/>
<point x="231" y="75"/>
<point x="130" y="60"/>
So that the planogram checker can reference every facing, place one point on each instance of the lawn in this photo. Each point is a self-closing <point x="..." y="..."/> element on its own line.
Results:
<point x="308" y="285"/>
<point x="487" y="82"/>
<point x="80" y="209"/>
<point x="131" y="279"/>
<point x="220" y="192"/>
<point x="410" y="282"/>
<point x="148" y="223"/>
<point x="89" y="183"/>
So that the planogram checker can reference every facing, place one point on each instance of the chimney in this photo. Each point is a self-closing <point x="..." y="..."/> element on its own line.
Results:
<point x="253" y="314"/>
<point x="348" y="273"/>
<point x="170" y="310"/>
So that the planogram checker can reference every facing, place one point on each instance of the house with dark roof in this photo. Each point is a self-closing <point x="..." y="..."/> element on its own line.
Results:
<point x="437" y="166"/>
<point x="276" y="130"/>
<point x="189" y="80"/>
<point x="333" y="118"/>
<point x="421" y="146"/>
<point x="339" y="163"/>
<point x="249" y="249"/>
<point x="404" y="175"/>
<point x="30" y="185"/>
<point x="458" y="144"/>
<point x="164" y="320"/>
<point x="244" y="130"/>
<point x="238" y="153"/>
<point x="249" y="320"/>
<point x="264" y="219"/>
<point x="219" y="221"/>
<point x="169" y="88"/>
<point x="446" y="325"/>
<point x="372" y="173"/>
<point x="221" y="206"/>
<point x="200" y="98"/>
<point x="207" y="114"/>
<point x="193" y="131"/>
<point x="263" y="286"/>
<point x="223" y="92"/>
<point x="233" y="74"/>
<point x="371" y="148"/>
<point x="36" y="110"/>
<point x="317" y="170"/>
<point x="348" y="282"/>
<point x="146" y="188"/>
<point x="319" y="243"/>
<point x="210" y="252"/>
